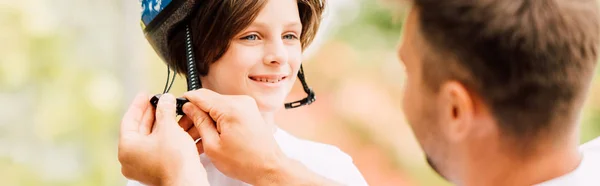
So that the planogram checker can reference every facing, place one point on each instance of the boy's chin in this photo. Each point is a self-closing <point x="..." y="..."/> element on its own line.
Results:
<point x="269" y="105"/>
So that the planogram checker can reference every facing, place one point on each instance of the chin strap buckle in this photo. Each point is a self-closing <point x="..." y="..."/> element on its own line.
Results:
<point x="310" y="98"/>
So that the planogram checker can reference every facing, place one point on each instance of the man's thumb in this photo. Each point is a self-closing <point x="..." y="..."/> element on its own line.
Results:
<point x="165" y="112"/>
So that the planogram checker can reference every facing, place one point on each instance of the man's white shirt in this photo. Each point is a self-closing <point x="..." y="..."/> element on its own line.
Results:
<point x="588" y="171"/>
<point x="323" y="159"/>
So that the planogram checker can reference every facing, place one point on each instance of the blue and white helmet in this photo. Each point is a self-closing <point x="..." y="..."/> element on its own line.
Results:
<point x="157" y="19"/>
<point x="150" y="9"/>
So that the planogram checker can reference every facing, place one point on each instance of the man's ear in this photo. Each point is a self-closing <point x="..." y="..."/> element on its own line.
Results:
<point x="457" y="111"/>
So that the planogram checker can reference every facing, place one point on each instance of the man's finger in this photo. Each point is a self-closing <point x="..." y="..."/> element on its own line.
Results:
<point x="200" y="147"/>
<point x="203" y="123"/>
<point x="212" y="103"/>
<point x="186" y="123"/>
<point x="165" y="112"/>
<point x="194" y="133"/>
<point x="204" y="99"/>
<point x="132" y="118"/>
<point x="147" y="121"/>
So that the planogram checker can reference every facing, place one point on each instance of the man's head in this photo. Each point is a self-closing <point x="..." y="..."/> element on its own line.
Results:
<point x="250" y="47"/>
<point x="506" y="74"/>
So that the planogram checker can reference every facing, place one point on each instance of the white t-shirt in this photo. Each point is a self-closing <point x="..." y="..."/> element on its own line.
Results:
<point x="588" y="171"/>
<point x="325" y="160"/>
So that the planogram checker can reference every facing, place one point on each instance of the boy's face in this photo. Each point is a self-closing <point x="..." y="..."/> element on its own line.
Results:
<point x="262" y="61"/>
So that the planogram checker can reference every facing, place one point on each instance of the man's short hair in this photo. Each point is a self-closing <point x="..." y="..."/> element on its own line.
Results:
<point x="530" y="61"/>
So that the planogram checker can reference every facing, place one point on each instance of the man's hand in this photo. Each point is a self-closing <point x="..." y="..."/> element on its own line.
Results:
<point x="157" y="152"/>
<point x="241" y="145"/>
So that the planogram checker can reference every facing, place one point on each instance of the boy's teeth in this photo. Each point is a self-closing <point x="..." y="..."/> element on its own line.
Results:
<point x="267" y="80"/>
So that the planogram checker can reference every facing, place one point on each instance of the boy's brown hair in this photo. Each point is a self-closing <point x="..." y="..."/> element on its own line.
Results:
<point x="214" y="23"/>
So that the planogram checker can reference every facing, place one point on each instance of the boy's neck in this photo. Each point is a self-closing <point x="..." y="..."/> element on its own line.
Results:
<point x="269" y="118"/>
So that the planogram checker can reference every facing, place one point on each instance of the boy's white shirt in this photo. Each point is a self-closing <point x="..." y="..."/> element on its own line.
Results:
<point x="588" y="171"/>
<point x="332" y="163"/>
<point x="323" y="159"/>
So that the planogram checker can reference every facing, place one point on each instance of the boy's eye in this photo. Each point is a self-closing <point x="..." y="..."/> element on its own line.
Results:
<point x="290" y="36"/>
<point x="251" y="37"/>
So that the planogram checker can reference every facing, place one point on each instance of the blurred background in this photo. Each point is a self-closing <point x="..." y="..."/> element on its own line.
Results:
<point x="69" y="68"/>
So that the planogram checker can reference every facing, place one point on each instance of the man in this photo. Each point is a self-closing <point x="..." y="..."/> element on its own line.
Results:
<point x="494" y="93"/>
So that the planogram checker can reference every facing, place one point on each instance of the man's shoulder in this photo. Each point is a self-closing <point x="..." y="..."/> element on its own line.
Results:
<point x="586" y="174"/>
<point x="591" y="157"/>
<point x="592" y="146"/>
